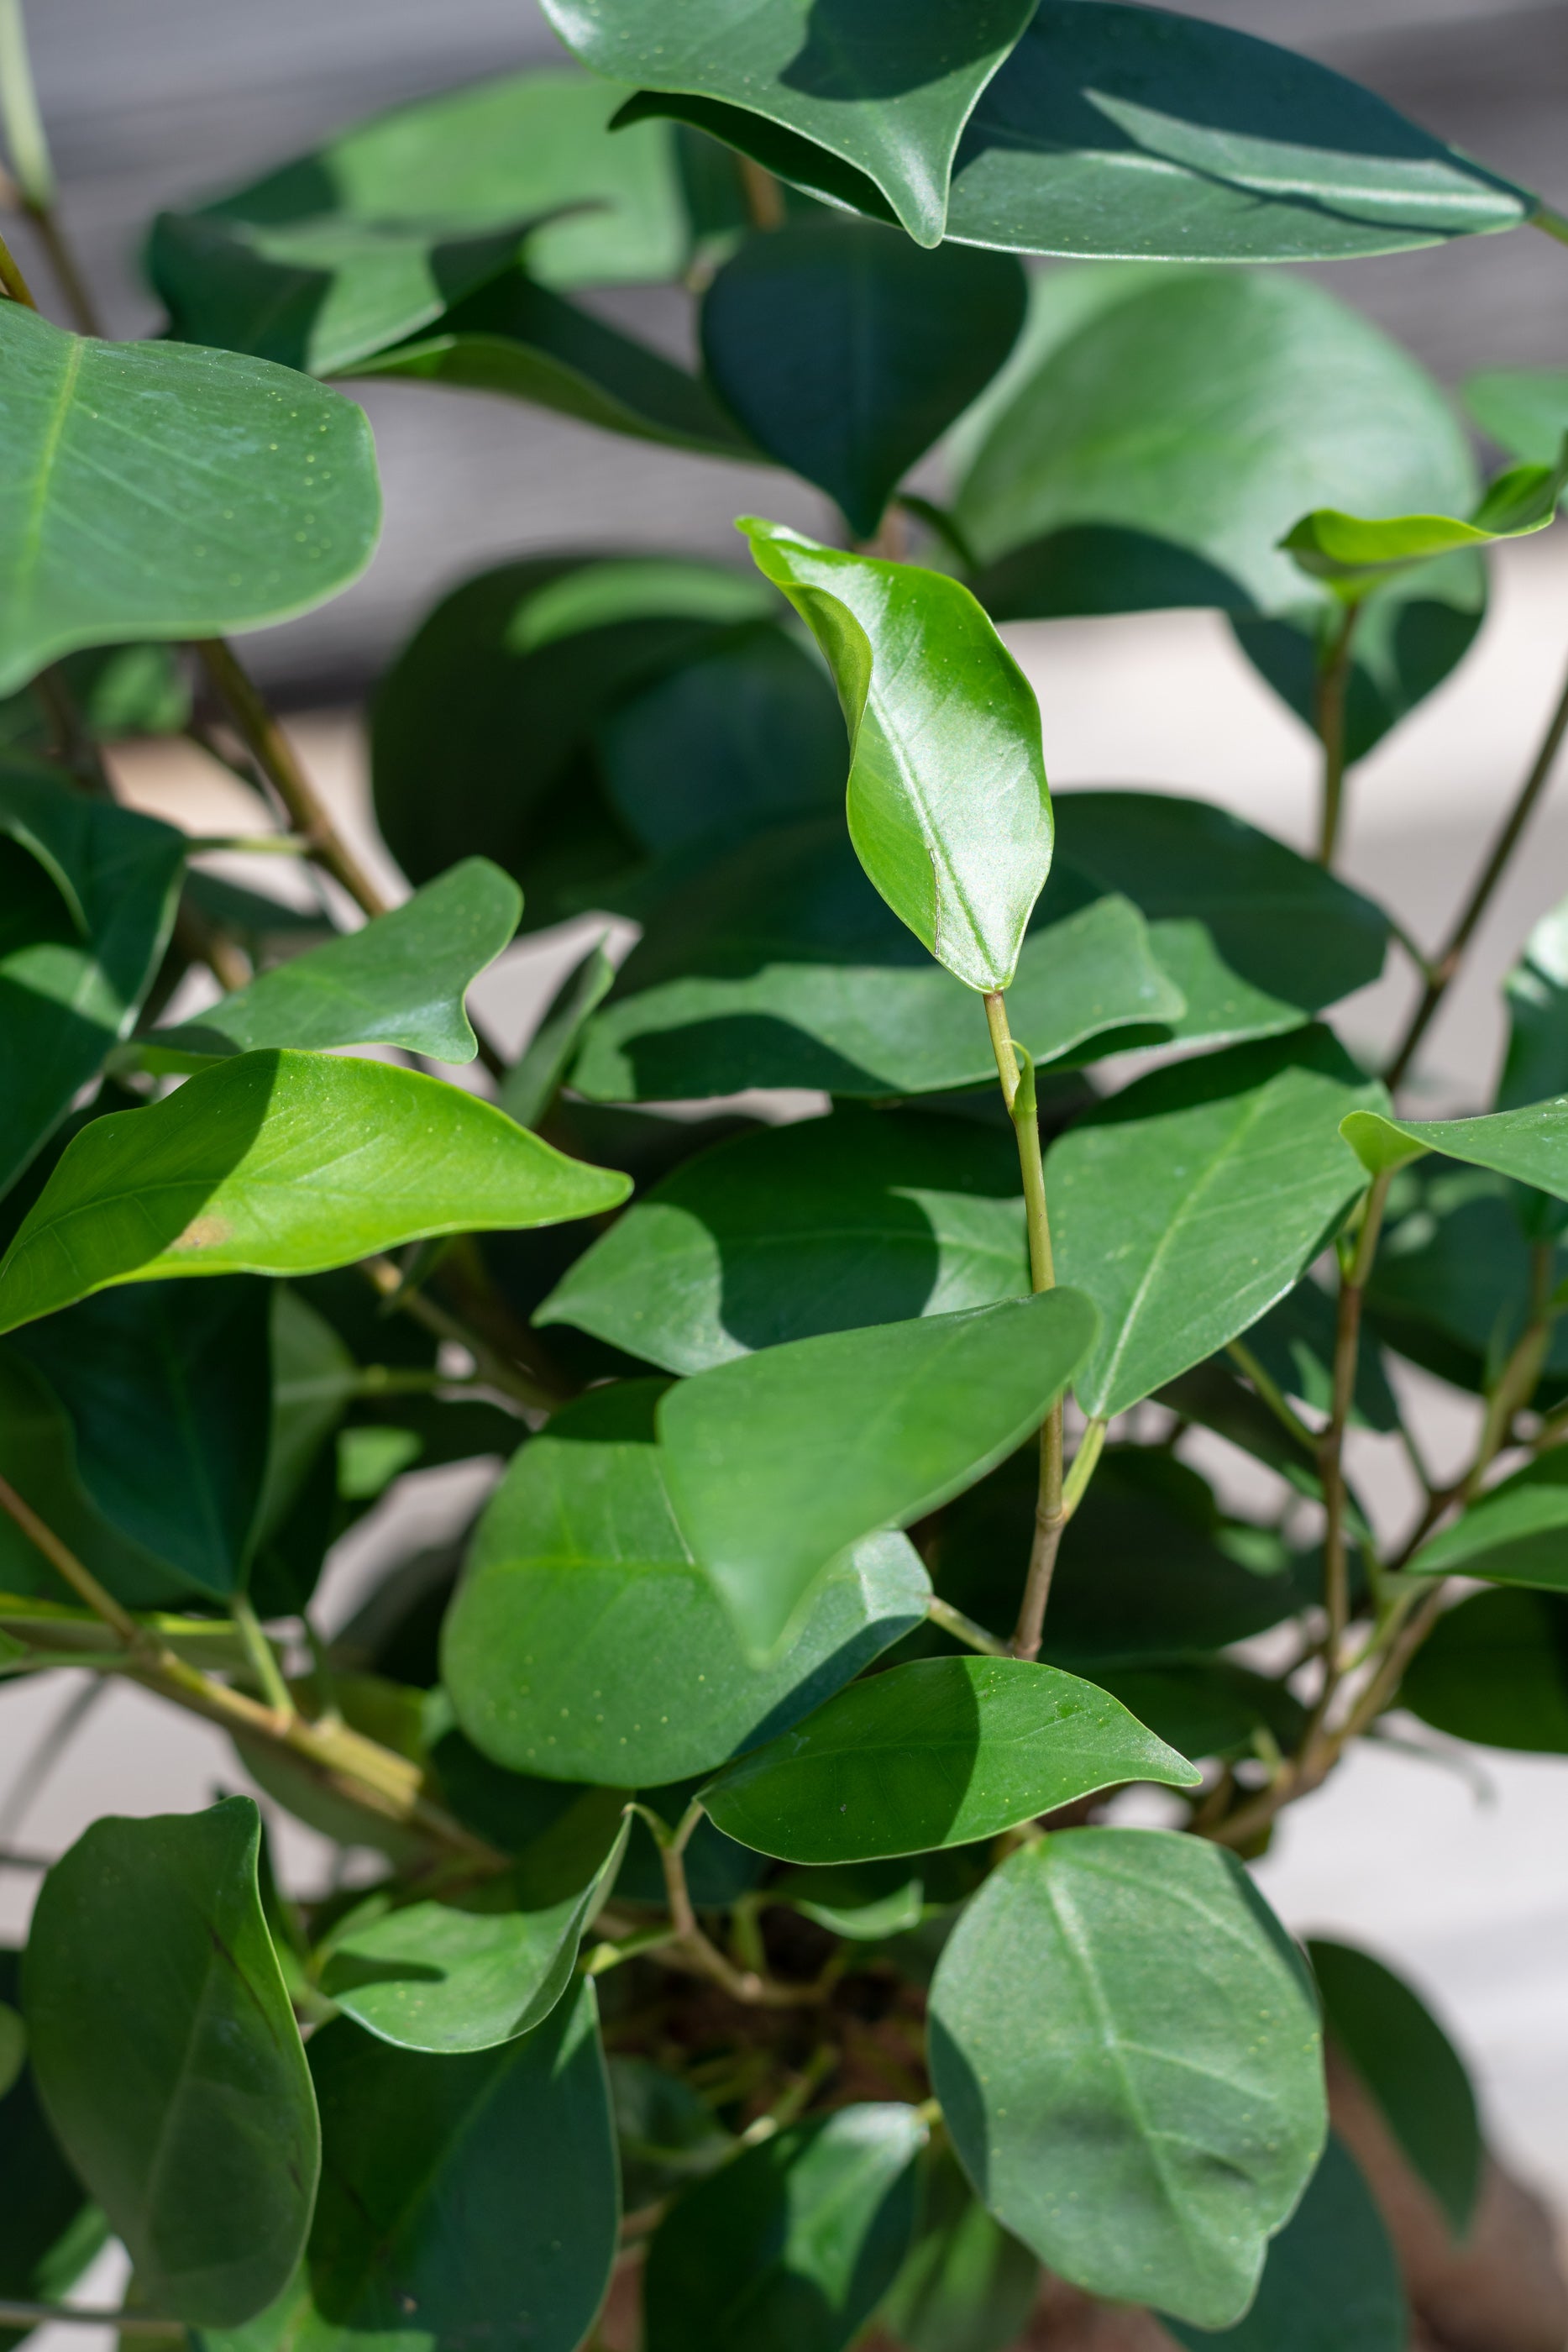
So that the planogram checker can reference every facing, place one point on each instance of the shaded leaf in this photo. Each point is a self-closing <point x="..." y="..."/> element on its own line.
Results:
<point x="1524" y="410"/>
<point x="967" y="2285"/>
<point x="668" y="2136"/>
<point x="1209" y="1708"/>
<point x="48" y="2230"/>
<point x="1537" y="999"/>
<point x="1410" y="635"/>
<point x="1514" y="1534"/>
<point x="1495" y="1669"/>
<point x="533" y="1082"/>
<point x="1451" y="1285"/>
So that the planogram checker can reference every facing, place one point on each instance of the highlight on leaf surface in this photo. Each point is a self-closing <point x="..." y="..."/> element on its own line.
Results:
<point x="1355" y="553"/>
<point x="1530" y="1144"/>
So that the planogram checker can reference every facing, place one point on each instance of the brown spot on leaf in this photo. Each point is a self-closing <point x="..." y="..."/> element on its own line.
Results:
<point x="203" y="1233"/>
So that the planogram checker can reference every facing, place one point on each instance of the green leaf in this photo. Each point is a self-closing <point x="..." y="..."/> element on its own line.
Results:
<point x="1208" y="1706"/>
<point x="586" y="1643"/>
<point x="48" y="2230"/>
<point x="1294" y="1343"/>
<point x="778" y="966"/>
<point x="778" y="1462"/>
<point x="1512" y="1535"/>
<point x="1355" y="553"/>
<point x="1415" y="2076"/>
<point x="87" y="899"/>
<point x="1086" y="2051"/>
<point x="1536" y="990"/>
<point x="1530" y="1144"/>
<point x="238" y="494"/>
<point x="1188" y="1205"/>
<point x="479" y="1970"/>
<point x="1331" y="2282"/>
<point x="1452" y="1282"/>
<point x="1495" y="1671"/>
<point x="825" y="1225"/>
<point x="118" y="690"/>
<point x="845" y="352"/>
<point x="947" y="804"/>
<point x="467" y="2193"/>
<point x="942" y="1752"/>
<point x="283" y="1163"/>
<point x="869" y="1901"/>
<point x="400" y="980"/>
<point x="1524" y="410"/>
<point x="792" y="2247"/>
<point x="816" y="87"/>
<point x="168" y="2059"/>
<point x="533" y="1082"/>
<point x="967" y="2285"/>
<point x="667" y="2134"/>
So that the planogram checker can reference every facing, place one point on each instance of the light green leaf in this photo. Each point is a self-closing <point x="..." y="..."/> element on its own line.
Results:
<point x="283" y="1163"/>
<point x="1495" y="1671"/>
<point x="1086" y="2045"/>
<point x="586" y="1643"/>
<point x="154" y="490"/>
<point x="1191" y="1202"/>
<point x="533" y="1082"/>
<point x="967" y="2285"/>
<point x="87" y="899"/>
<point x="792" y="2247"/>
<point x="400" y="980"/>
<point x="778" y="1462"/>
<point x="168" y="2059"/>
<point x="1524" y="410"/>
<point x="825" y="1225"/>
<point x="947" y="804"/>
<point x="942" y="1752"/>
<point x="1530" y="1144"/>
<point x="1355" y="553"/>
<point x="1514" y="1534"/>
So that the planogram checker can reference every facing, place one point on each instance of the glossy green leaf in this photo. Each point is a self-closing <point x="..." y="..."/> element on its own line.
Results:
<point x="1530" y="1144"/>
<point x="48" y="2230"/>
<point x="825" y="1225"/>
<point x="1087" y="2045"/>
<point x="1188" y="1205"/>
<point x="466" y="2193"/>
<point x="947" y="804"/>
<point x="1355" y="552"/>
<point x="283" y="1163"/>
<point x="1495" y="1671"/>
<point x="778" y="966"/>
<point x="375" y="233"/>
<point x="1331" y="2282"/>
<point x="1513" y="1535"/>
<point x="803" y="78"/>
<point x="239" y="495"/>
<point x="87" y="899"/>
<point x="845" y="352"/>
<point x="867" y="1901"/>
<point x="1524" y="410"/>
<point x="1415" y="2076"/>
<point x="942" y="1752"/>
<point x="586" y="1643"/>
<point x="886" y="1424"/>
<point x="966" y="2284"/>
<point x="792" y="2247"/>
<point x="471" y="1972"/>
<point x="1208" y="1706"/>
<point x="168" y="2059"/>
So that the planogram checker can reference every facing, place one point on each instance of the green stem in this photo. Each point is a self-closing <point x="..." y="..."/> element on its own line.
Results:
<point x="1552" y="222"/>
<point x="1090" y="1446"/>
<point x="46" y="2315"/>
<point x="27" y="141"/>
<point x="262" y="1656"/>
<point x="964" y="1629"/>
<point x="1328" y="717"/>
<point x="13" y="285"/>
<point x="1271" y="1394"/>
<point x="1330" y="1445"/>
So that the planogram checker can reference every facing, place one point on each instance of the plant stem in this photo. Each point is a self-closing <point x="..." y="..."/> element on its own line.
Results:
<point x="1328" y="717"/>
<point x="1519" y="1376"/>
<point x="1090" y="1446"/>
<point x="1553" y="224"/>
<point x="764" y="196"/>
<point x="964" y="1629"/>
<point x="1271" y="1394"/>
<point x="65" y="1564"/>
<point x="499" y="1371"/>
<point x="32" y="164"/>
<point x="12" y="283"/>
<point x="703" y="1957"/>
<point x="127" y="2323"/>
<point x="1330" y="1445"/>
<point x="1447" y="964"/>
<point x="263" y="1659"/>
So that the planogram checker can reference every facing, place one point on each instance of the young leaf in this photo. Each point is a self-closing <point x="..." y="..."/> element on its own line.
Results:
<point x="282" y="1162"/>
<point x="586" y="1643"/>
<point x="1512" y="1535"/>
<point x="778" y="1462"/>
<point x="1495" y="1671"/>
<point x="1085" y="2049"/>
<point x="466" y="2194"/>
<point x="1524" y="410"/>
<point x="1355" y="552"/>
<point x="792" y="2247"/>
<point x="1188" y="1203"/>
<point x="533" y="1082"/>
<point x="168" y="2059"/>
<point x="400" y="980"/>
<point x="87" y="899"/>
<point x="1530" y="1145"/>
<point x="947" y="804"/>
<point x="1416" y="2076"/>
<point x="223" y="493"/>
<point x="938" y="1753"/>
<point x="825" y="1225"/>
<point x="967" y="2285"/>
<point x="845" y="352"/>
<point x="808" y="92"/>
<point x="48" y="2230"/>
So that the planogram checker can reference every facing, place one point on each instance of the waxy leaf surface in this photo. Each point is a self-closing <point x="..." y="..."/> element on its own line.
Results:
<point x="1530" y="1144"/>
<point x="1355" y="552"/>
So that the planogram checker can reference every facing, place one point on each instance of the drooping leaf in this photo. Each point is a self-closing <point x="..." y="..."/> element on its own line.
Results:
<point x="168" y="2059"/>
<point x="87" y="899"/>
<point x="1530" y="1144"/>
<point x="1415" y="2076"/>
<point x="845" y="352"/>
<point x="792" y="2247"/>
<point x="586" y="1643"/>
<point x="1188" y="1205"/>
<point x="942" y="1752"/>
<point x="949" y="810"/>
<point x="1330" y="2281"/>
<point x="48" y="2230"/>
<point x="1524" y="410"/>
<point x="282" y="1162"/>
<point x="533" y="1080"/>
<point x="1355" y="553"/>
<point x="1084" y="2046"/>
<point x="154" y="490"/>
<point x="777" y="1462"/>
<point x="465" y="2193"/>
<point x="1495" y="1671"/>
<point x="1513" y="1535"/>
<point x="967" y="2285"/>
<point x="825" y="1225"/>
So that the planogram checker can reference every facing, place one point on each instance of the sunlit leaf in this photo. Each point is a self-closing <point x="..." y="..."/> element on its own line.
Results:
<point x="1530" y="1144"/>
<point x="1353" y="552"/>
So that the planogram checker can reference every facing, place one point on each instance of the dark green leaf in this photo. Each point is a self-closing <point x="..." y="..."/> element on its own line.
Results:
<point x="865" y="1900"/>
<point x="1530" y="1144"/>
<point x="533" y="1082"/>
<point x="845" y="352"/>
<point x="1087" y="2047"/>
<point x="778" y="1462"/>
<point x="967" y="2285"/>
<point x="792" y="2247"/>
<point x="1513" y="1535"/>
<point x="949" y="810"/>
<point x="1353" y="552"/>
<point x="1495" y="1669"/>
<point x="1209" y="1708"/>
<point x="1525" y="410"/>
<point x="87" y="899"/>
<point x="587" y="1645"/>
<point x="1537" y="994"/>
<point x="48" y="2231"/>
<point x="668" y="2136"/>
<point x="1416" y="2076"/>
<point x="1191" y="1202"/>
<point x="1452" y="1282"/>
<point x="283" y="1163"/>
<point x="168" y="2058"/>
<point x="1408" y="638"/>
<point x="118" y="691"/>
<point x="223" y="493"/>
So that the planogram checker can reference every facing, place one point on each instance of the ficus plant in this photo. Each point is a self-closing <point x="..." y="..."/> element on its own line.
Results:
<point x="745" y="1943"/>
